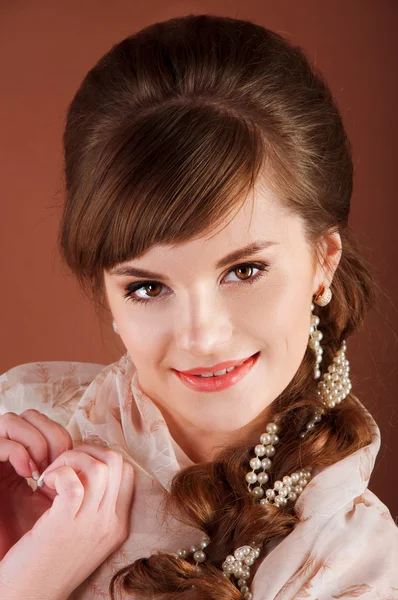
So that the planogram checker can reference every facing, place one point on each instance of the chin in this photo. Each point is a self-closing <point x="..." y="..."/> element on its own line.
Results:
<point x="226" y="421"/>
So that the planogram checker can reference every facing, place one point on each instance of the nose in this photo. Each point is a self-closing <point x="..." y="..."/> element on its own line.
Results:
<point x="202" y="323"/>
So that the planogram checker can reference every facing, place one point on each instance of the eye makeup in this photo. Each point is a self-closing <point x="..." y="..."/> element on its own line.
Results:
<point x="132" y="288"/>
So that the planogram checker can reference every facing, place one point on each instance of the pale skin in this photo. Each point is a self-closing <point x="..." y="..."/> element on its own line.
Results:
<point x="201" y="316"/>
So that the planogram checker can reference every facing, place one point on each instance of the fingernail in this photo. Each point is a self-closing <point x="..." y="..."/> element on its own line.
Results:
<point x="33" y="468"/>
<point x="40" y="481"/>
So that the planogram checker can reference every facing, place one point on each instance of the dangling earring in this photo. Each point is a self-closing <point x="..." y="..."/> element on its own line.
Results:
<point x="335" y="384"/>
<point x="315" y="343"/>
<point x="322" y="298"/>
<point x="115" y="327"/>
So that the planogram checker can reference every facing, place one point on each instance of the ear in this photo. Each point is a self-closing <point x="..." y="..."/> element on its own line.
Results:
<point x="329" y="253"/>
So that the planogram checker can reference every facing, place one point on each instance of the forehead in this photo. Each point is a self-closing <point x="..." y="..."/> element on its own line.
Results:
<point x="263" y="212"/>
<point x="263" y="216"/>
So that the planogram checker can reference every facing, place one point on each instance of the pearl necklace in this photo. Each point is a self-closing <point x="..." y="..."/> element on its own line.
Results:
<point x="334" y="387"/>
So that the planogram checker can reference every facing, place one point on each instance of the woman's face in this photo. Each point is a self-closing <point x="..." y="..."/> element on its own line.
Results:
<point x="199" y="314"/>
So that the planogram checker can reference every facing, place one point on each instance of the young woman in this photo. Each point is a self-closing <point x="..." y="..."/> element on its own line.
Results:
<point x="225" y="455"/>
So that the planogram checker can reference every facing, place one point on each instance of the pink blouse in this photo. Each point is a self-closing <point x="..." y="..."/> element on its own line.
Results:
<point x="345" y="545"/>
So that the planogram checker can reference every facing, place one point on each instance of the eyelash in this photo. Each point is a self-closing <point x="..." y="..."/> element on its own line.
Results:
<point x="263" y="269"/>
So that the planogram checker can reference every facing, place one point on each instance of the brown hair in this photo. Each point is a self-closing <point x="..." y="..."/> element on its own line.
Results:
<point x="164" y="139"/>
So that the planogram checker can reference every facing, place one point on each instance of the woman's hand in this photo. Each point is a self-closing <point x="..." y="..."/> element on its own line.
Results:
<point x="84" y="523"/>
<point x="25" y="437"/>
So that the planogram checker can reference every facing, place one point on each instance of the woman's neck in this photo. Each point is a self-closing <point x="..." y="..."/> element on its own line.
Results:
<point x="202" y="445"/>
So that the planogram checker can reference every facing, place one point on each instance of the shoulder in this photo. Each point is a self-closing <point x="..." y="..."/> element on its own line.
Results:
<point x="356" y="553"/>
<point x="363" y="518"/>
<point x="51" y="387"/>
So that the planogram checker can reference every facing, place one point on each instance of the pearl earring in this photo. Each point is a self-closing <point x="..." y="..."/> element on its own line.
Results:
<point x="335" y="384"/>
<point x="115" y="327"/>
<point x="322" y="298"/>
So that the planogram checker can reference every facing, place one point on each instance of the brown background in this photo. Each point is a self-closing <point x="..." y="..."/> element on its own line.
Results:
<point x="46" y="49"/>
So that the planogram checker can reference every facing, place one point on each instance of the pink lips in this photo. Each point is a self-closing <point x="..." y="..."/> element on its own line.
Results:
<point x="221" y="382"/>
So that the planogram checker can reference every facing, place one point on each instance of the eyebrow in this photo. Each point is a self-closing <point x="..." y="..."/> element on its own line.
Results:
<point x="234" y="256"/>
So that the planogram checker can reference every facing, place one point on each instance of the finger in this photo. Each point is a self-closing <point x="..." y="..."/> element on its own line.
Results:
<point x="70" y="492"/>
<point x="92" y="473"/>
<point x="16" y="456"/>
<point x="125" y="497"/>
<point x="27" y="443"/>
<point x="114" y="461"/>
<point x="57" y="438"/>
<point x="119" y="491"/>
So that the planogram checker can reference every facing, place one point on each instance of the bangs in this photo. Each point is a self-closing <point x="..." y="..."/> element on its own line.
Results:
<point x="154" y="185"/>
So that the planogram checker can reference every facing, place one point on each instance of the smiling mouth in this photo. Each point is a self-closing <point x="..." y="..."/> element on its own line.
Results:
<point x="223" y="371"/>
<point x="210" y="382"/>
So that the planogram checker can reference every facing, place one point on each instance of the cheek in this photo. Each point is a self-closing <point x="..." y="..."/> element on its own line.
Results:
<point x="280" y="309"/>
<point x="294" y="335"/>
<point x="145" y="340"/>
<point x="280" y="320"/>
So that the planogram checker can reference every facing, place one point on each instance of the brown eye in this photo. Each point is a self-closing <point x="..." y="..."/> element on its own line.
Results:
<point x="247" y="272"/>
<point x="151" y="285"/>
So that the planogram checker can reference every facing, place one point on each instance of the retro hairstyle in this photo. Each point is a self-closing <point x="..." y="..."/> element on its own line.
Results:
<point x="164" y="139"/>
